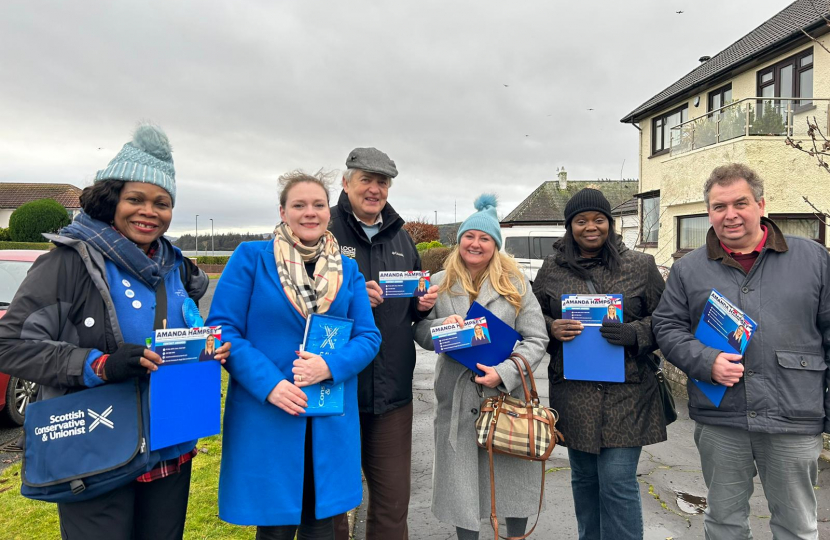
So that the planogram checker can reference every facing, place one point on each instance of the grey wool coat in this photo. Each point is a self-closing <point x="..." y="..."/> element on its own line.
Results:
<point x="461" y="470"/>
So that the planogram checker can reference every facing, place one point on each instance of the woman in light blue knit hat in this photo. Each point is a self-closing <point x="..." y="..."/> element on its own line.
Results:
<point x="477" y="271"/>
<point x="81" y="320"/>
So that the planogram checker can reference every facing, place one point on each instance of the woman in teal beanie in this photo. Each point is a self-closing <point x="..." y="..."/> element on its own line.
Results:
<point x="82" y="316"/>
<point x="477" y="271"/>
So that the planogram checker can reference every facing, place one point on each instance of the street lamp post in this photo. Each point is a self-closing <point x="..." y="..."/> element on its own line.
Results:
<point x="212" y="245"/>
<point x="197" y="236"/>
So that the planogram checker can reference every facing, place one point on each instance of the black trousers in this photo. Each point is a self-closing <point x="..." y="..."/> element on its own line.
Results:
<point x="138" y="511"/>
<point x="310" y="528"/>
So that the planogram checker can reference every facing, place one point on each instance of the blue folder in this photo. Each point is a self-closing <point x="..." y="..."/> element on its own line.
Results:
<point x="503" y="340"/>
<point x="718" y="322"/>
<point x="589" y="356"/>
<point x="185" y="402"/>
<point x="324" y="335"/>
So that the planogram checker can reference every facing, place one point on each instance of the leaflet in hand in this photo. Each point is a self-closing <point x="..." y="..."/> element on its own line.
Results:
<point x="451" y="337"/>
<point x="186" y="390"/>
<point x="589" y="356"/>
<point x="324" y="336"/>
<point x="404" y="284"/>
<point x="179" y="345"/>
<point x="724" y="327"/>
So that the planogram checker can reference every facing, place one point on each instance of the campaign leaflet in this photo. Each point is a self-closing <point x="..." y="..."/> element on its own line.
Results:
<point x="324" y="336"/>
<point x="405" y="284"/>
<point x="187" y="344"/>
<point x="589" y="356"/>
<point x="186" y="390"/>
<point x="726" y="328"/>
<point x="451" y="337"/>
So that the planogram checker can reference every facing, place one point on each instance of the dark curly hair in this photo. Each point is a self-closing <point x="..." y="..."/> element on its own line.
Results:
<point x="100" y="199"/>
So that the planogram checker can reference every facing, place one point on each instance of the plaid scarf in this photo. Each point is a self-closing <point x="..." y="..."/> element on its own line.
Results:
<point x="123" y="251"/>
<point x="291" y="255"/>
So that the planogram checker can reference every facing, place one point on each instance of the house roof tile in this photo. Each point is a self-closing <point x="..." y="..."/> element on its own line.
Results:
<point x="547" y="202"/>
<point x="783" y="27"/>
<point x="14" y="195"/>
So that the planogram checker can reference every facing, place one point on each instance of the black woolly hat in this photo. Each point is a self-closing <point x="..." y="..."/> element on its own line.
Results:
<point x="587" y="200"/>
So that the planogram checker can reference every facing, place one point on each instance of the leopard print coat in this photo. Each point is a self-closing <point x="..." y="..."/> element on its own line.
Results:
<point x="606" y="415"/>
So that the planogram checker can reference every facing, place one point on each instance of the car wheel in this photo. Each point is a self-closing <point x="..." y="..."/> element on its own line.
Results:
<point x="19" y="394"/>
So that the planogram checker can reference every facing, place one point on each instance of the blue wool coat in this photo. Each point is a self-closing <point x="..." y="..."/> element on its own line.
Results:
<point x="261" y="477"/>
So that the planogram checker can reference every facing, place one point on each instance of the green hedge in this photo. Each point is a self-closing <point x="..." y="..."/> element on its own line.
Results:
<point x="33" y="218"/>
<point x="26" y="245"/>
<point x="209" y="259"/>
<point x="423" y="246"/>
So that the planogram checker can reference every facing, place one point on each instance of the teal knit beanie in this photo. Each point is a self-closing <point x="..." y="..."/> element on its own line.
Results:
<point x="147" y="158"/>
<point x="485" y="220"/>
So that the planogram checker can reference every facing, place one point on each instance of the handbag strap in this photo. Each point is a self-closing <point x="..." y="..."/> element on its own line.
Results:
<point x="533" y="394"/>
<point x="591" y="287"/>
<point x="494" y="520"/>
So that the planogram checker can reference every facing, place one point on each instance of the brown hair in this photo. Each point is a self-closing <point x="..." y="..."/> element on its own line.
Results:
<point x="290" y="179"/>
<point x="726" y="175"/>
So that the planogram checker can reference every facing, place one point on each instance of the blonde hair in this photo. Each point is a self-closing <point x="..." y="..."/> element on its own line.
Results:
<point x="501" y="271"/>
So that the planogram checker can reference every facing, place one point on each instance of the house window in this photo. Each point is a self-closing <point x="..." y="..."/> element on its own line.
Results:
<point x="661" y="131"/>
<point x="691" y="232"/>
<point x="650" y="219"/>
<point x="792" y="77"/>
<point x="807" y="225"/>
<point x="720" y="97"/>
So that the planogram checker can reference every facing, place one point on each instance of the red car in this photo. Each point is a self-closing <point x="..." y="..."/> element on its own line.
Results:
<point x="15" y="393"/>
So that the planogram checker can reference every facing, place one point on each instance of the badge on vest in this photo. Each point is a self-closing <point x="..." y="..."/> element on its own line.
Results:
<point x="348" y="251"/>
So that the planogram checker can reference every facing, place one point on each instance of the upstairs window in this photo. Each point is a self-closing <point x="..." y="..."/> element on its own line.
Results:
<point x="789" y="78"/>
<point x="720" y="97"/>
<point x="661" y="129"/>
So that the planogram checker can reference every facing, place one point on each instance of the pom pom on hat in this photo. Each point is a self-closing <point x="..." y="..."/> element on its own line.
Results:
<point x="147" y="158"/>
<point x="485" y="220"/>
<point x="153" y="140"/>
<point x="485" y="200"/>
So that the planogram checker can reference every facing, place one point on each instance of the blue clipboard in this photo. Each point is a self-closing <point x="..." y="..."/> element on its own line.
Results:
<point x="503" y="340"/>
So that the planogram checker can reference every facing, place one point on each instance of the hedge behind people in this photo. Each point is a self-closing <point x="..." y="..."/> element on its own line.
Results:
<point x="30" y="221"/>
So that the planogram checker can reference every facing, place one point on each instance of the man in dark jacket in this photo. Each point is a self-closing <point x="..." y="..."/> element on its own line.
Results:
<point x="370" y="231"/>
<point x="775" y="406"/>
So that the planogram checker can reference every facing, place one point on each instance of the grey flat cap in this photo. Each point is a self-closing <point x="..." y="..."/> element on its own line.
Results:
<point x="371" y="160"/>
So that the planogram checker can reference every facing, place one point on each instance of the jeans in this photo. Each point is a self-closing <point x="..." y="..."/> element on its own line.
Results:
<point x="607" y="494"/>
<point x="788" y="467"/>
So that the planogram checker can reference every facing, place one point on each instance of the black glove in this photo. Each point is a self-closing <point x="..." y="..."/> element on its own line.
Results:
<point x="619" y="334"/>
<point x="125" y="363"/>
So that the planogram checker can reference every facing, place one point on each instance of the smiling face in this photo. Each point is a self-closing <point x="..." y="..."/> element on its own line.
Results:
<point x="479" y="332"/>
<point x="209" y="341"/>
<point x="590" y="230"/>
<point x="736" y="215"/>
<point x="476" y="249"/>
<point x="367" y="194"/>
<point x="143" y="213"/>
<point x="422" y="284"/>
<point x="612" y="311"/>
<point x="306" y="211"/>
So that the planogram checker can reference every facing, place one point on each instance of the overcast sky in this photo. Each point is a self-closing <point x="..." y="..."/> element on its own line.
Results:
<point x="466" y="97"/>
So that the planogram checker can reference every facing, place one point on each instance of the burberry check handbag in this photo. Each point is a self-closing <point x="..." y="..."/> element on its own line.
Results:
<point x="520" y="428"/>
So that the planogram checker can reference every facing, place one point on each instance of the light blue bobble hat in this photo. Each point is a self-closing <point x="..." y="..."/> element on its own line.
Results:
<point x="147" y="158"/>
<point x="485" y="220"/>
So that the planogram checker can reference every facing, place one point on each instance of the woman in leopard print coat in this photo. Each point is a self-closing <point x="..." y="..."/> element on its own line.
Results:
<point x="605" y="424"/>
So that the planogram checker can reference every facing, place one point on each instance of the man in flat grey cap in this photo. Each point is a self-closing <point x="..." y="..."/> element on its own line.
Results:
<point x="370" y="232"/>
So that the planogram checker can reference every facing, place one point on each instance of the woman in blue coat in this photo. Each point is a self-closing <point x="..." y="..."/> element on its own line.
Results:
<point x="282" y="471"/>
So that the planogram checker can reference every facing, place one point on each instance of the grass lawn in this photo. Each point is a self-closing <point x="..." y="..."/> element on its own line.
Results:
<point x="25" y="519"/>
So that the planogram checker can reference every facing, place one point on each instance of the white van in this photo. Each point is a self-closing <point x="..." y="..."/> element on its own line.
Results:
<point x="530" y="245"/>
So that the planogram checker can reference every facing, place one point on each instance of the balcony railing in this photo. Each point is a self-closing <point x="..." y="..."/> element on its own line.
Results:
<point x="775" y="117"/>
